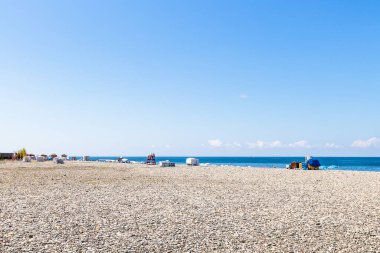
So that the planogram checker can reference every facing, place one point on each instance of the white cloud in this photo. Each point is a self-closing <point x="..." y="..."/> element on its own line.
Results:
<point x="278" y="144"/>
<point x="372" y="142"/>
<point x="257" y="144"/>
<point x="215" y="143"/>
<point x="331" y="145"/>
<point x="243" y="96"/>
<point x="300" y="144"/>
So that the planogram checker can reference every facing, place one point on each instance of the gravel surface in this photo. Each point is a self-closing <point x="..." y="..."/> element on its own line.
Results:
<point x="103" y="207"/>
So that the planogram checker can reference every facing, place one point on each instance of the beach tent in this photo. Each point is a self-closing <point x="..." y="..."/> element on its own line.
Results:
<point x="27" y="159"/>
<point x="313" y="164"/>
<point x="122" y="160"/>
<point x="192" y="161"/>
<point x="57" y="160"/>
<point x="125" y="160"/>
<point x="40" y="159"/>
<point x="166" y="164"/>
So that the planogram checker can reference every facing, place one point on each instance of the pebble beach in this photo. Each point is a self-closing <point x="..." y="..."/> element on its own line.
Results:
<point x="111" y="207"/>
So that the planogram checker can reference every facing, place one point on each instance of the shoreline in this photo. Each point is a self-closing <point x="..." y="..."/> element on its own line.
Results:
<point x="178" y="165"/>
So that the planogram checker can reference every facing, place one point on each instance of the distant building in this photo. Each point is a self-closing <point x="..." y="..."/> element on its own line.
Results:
<point x="6" y="156"/>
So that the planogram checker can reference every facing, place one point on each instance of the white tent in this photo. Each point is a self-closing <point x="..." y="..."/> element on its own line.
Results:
<point x="27" y="159"/>
<point x="40" y="159"/>
<point x="166" y="164"/>
<point x="192" y="161"/>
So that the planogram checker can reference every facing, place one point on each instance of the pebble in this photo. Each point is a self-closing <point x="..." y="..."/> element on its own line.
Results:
<point x="96" y="207"/>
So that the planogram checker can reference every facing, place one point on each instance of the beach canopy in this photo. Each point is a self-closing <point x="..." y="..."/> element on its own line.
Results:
<point x="192" y="161"/>
<point x="313" y="162"/>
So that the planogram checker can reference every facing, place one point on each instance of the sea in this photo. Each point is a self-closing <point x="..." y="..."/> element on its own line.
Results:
<point x="328" y="163"/>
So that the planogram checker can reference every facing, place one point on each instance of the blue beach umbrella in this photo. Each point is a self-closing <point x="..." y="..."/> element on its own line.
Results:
<point x="314" y="162"/>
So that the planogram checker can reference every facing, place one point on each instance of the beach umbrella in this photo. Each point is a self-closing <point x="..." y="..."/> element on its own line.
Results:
<point x="314" y="163"/>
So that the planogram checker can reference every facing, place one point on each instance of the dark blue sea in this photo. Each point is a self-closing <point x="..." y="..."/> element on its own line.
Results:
<point x="328" y="163"/>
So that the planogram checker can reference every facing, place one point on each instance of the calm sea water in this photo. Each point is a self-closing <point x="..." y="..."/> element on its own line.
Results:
<point x="329" y="163"/>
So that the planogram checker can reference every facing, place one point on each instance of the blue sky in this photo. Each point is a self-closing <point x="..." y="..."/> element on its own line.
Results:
<point x="249" y="78"/>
